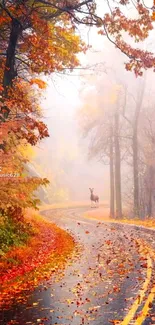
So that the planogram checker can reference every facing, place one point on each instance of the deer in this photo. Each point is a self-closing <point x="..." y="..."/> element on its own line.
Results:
<point x="93" y="197"/>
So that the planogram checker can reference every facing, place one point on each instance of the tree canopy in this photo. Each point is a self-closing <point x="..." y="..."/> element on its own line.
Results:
<point x="39" y="37"/>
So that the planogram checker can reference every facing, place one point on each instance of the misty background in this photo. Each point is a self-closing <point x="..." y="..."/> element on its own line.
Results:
<point x="90" y="92"/>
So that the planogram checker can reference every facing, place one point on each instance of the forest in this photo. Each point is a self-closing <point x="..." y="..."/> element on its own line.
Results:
<point x="39" y="41"/>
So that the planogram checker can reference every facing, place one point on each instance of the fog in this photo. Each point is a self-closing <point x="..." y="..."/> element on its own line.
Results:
<point x="89" y="95"/>
<point x="63" y="157"/>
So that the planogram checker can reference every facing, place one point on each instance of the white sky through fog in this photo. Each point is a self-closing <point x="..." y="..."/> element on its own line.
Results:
<point x="60" y="105"/>
<point x="67" y="87"/>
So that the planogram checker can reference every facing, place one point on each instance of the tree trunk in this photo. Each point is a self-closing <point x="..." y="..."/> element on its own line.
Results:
<point x="150" y="190"/>
<point x="10" y="70"/>
<point x="112" y="185"/>
<point x="135" y="173"/>
<point x="135" y="150"/>
<point x="142" y="197"/>
<point x="117" y="167"/>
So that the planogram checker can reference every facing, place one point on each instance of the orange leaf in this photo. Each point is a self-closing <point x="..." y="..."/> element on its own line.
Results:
<point x="40" y="83"/>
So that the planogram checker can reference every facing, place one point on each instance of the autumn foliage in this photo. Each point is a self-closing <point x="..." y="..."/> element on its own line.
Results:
<point x="36" y="39"/>
<point x="39" y="38"/>
<point x="46" y="250"/>
<point x="125" y="25"/>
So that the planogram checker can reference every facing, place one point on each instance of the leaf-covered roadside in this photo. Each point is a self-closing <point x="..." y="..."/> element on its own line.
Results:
<point x="23" y="267"/>
<point x="149" y="223"/>
<point x="102" y="214"/>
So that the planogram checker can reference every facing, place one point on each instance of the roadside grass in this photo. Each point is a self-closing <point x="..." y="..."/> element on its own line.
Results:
<point x="12" y="234"/>
<point x="25" y="266"/>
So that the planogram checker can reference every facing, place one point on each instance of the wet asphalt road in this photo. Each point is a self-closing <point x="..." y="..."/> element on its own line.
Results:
<point x="99" y="284"/>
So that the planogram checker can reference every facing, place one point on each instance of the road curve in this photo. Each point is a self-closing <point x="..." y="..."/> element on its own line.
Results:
<point x="110" y="280"/>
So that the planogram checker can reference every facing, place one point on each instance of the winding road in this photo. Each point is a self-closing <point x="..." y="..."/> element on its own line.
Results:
<point x="109" y="280"/>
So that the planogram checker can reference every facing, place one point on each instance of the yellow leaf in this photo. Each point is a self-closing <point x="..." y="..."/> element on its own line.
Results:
<point x="35" y="303"/>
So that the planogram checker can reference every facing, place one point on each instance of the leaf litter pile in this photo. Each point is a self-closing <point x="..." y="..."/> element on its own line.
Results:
<point x="23" y="268"/>
<point x="99" y="285"/>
